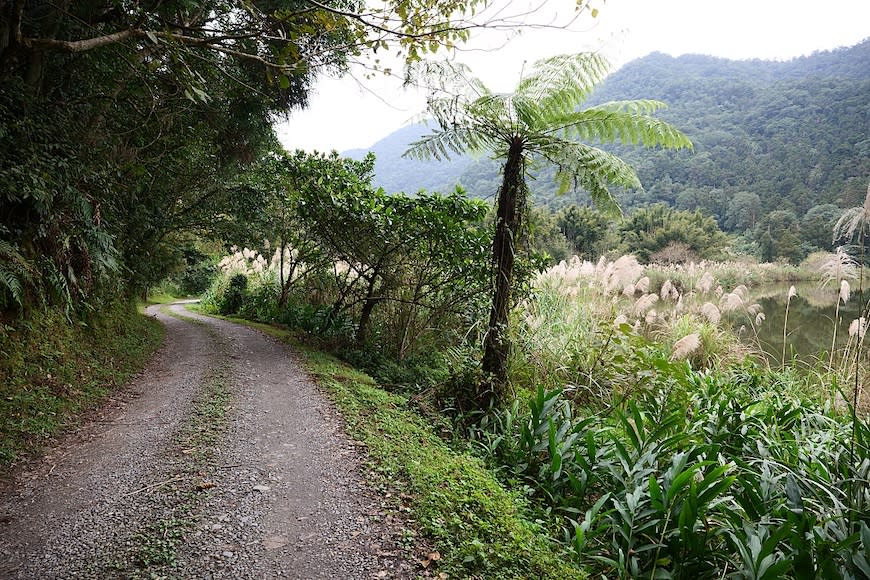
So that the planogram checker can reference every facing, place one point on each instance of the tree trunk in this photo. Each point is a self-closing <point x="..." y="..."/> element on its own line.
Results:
<point x="362" y="332"/>
<point x="496" y="347"/>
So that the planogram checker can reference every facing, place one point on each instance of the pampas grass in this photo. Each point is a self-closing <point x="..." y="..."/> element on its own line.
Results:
<point x="685" y="346"/>
<point x="644" y="303"/>
<point x="792" y="292"/>
<point x="711" y="312"/>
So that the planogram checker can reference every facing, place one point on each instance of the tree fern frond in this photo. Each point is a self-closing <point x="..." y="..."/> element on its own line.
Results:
<point x="591" y="169"/>
<point x="606" y="126"/>
<point x="442" y="77"/>
<point x="439" y="145"/>
<point x="561" y="83"/>
<point x="635" y="106"/>
<point x="528" y="113"/>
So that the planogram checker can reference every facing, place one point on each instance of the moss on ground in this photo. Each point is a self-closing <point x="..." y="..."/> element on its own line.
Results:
<point x="52" y="369"/>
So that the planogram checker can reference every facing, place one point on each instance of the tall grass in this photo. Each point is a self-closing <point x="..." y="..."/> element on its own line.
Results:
<point x="583" y="317"/>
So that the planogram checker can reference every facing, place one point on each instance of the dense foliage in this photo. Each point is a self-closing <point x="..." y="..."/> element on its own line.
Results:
<point x="123" y="125"/>
<point x="389" y="274"/>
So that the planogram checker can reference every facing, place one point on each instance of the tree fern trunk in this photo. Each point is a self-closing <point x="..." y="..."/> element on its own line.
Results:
<point x="496" y="348"/>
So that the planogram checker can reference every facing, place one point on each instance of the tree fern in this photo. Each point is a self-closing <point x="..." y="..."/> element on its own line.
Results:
<point x="541" y="119"/>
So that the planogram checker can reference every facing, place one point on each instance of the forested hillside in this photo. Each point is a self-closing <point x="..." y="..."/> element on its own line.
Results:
<point x="783" y="138"/>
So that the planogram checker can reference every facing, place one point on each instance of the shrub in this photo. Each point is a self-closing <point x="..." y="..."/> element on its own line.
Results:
<point x="697" y="475"/>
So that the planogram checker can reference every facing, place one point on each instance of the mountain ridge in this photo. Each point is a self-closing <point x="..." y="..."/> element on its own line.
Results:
<point x="794" y="132"/>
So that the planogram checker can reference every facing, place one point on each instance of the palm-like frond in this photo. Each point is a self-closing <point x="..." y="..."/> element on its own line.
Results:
<point x="561" y="83"/>
<point x="581" y="165"/>
<point x="636" y="106"/>
<point x="439" y="145"/>
<point x="445" y="78"/>
<point x="625" y="125"/>
<point x="543" y="113"/>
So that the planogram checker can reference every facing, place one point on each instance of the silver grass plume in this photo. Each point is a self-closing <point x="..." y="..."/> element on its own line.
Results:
<point x="686" y="346"/>
<point x="845" y="291"/>
<point x="642" y="285"/>
<point x="858" y="326"/>
<point x="730" y="302"/>
<point x="665" y="291"/>
<point x="837" y="266"/>
<point x="644" y="303"/>
<point x="625" y="270"/>
<point x="705" y="284"/>
<point x="852" y="220"/>
<point x="711" y="312"/>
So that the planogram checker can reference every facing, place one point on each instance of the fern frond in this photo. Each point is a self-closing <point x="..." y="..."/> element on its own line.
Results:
<point x="439" y="145"/>
<point x="10" y="283"/>
<point x="607" y="126"/>
<point x="590" y="169"/>
<point x="16" y="273"/>
<point x="636" y="106"/>
<point x="561" y="83"/>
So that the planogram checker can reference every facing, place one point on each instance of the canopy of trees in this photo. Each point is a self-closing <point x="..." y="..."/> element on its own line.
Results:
<point x="123" y="125"/>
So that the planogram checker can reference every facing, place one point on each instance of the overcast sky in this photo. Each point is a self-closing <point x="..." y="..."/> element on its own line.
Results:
<point x="355" y="113"/>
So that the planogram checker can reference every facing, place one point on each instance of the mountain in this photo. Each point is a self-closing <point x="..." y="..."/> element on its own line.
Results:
<point x="794" y="133"/>
<point x="395" y="174"/>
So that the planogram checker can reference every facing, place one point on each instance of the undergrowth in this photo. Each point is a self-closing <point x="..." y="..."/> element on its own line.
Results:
<point x="52" y="369"/>
<point x="698" y="474"/>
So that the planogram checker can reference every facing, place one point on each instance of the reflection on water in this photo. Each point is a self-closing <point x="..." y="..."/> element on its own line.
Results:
<point x="810" y="320"/>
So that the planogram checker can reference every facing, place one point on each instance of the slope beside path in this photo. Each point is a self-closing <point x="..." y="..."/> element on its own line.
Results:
<point x="222" y="460"/>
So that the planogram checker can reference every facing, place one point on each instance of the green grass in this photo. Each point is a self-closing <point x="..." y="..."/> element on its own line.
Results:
<point x="52" y="370"/>
<point x="160" y="298"/>
<point x="479" y="528"/>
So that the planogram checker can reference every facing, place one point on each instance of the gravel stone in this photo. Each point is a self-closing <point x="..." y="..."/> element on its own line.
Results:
<point x="280" y="495"/>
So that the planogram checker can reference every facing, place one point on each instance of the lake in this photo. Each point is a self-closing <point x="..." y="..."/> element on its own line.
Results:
<point x="811" y="317"/>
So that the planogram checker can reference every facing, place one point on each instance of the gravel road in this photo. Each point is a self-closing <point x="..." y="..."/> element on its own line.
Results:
<point x="222" y="460"/>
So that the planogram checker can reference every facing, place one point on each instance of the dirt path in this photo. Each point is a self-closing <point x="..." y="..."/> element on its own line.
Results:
<point x="222" y="460"/>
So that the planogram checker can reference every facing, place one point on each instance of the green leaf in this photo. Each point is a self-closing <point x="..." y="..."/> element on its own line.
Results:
<point x="655" y="493"/>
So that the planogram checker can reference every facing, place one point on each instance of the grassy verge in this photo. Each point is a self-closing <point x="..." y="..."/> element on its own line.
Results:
<point x="478" y="527"/>
<point x="52" y="370"/>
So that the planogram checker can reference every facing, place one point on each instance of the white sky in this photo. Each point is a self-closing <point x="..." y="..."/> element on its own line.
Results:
<point x="355" y="113"/>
